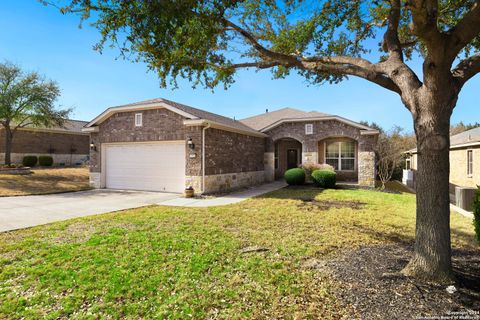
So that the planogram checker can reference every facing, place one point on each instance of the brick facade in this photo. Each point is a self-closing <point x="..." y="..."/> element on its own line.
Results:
<point x="329" y="129"/>
<point x="229" y="152"/>
<point x="64" y="147"/>
<point x="41" y="142"/>
<point x="232" y="159"/>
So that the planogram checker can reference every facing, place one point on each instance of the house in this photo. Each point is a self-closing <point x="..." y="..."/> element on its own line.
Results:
<point x="161" y="145"/>
<point x="67" y="145"/>
<point x="464" y="159"/>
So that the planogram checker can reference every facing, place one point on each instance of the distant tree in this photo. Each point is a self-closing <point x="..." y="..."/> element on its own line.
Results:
<point x="389" y="152"/>
<point x="26" y="99"/>
<point x="207" y="42"/>
<point x="372" y="125"/>
<point x="461" y="127"/>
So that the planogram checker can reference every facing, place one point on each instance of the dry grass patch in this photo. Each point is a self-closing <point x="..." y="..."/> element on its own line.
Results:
<point x="44" y="181"/>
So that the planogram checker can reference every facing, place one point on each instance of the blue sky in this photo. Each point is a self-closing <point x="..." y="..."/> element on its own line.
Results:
<point x="40" y="38"/>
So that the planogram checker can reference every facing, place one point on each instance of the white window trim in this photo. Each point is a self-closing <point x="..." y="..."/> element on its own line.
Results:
<point x="340" y="156"/>
<point x="138" y="123"/>
<point x="469" y="174"/>
<point x="309" y="128"/>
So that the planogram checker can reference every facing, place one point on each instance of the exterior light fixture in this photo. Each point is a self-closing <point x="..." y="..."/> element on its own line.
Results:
<point x="190" y="143"/>
<point x="92" y="146"/>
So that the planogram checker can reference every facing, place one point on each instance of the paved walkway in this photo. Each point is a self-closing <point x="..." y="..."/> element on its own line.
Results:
<point x="28" y="211"/>
<point x="224" y="200"/>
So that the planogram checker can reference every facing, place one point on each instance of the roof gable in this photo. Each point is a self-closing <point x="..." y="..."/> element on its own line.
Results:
<point x="190" y="113"/>
<point x="272" y="119"/>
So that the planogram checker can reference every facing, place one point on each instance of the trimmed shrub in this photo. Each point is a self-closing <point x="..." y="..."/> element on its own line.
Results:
<point x="295" y="176"/>
<point x="324" y="178"/>
<point x="309" y="167"/>
<point x="476" y="214"/>
<point x="29" y="161"/>
<point x="45" y="161"/>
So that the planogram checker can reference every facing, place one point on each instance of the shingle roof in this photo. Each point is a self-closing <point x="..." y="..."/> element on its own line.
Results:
<point x="68" y="126"/>
<point x="201" y="114"/>
<point x="472" y="135"/>
<point x="264" y="120"/>
<point x="469" y="136"/>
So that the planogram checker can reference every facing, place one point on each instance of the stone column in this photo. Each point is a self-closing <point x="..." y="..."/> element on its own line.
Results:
<point x="366" y="168"/>
<point x="269" y="166"/>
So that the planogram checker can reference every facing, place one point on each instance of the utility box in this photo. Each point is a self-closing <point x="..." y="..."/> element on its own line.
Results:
<point x="464" y="197"/>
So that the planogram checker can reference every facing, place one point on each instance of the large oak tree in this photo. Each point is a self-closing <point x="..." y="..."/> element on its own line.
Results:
<point x="207" y="41"/>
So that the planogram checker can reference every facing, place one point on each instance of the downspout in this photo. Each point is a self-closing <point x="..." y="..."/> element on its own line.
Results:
<point x="203" y="156"/>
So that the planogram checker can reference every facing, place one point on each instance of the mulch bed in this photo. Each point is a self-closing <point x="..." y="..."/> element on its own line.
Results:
<point x="370" y="283"/>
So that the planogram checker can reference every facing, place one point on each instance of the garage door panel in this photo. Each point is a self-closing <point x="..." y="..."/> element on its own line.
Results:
<point x="155" y="167"/>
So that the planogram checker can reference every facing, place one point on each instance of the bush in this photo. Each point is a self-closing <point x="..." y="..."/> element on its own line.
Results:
<point x="295" y="176"/>
<point x="45" y="161"/>
<point x="29" y="161"/>
<point x="324" y="178"/>
<point x="476" y="214"/>
<point x="309" y="167"/>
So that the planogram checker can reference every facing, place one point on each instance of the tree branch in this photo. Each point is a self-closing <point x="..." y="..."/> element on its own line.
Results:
<point x="465" y="31"/>
<point x="466" y="69"/>
<point x="424" y="24"/>
<point x="264" y="52"/>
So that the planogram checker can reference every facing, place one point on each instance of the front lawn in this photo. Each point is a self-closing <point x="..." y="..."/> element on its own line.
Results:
<point x="262" y="258"/>
<point x="44" y="181"/>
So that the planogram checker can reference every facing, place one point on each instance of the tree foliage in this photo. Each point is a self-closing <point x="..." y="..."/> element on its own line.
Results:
<point x="207" y="41"/>
<point x="389" y="152"/>
<point x="26" y="100"/>
<point x="462" y="127"/>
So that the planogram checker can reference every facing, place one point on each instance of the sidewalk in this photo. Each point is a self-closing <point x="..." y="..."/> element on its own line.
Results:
<point x="234" y="197"/>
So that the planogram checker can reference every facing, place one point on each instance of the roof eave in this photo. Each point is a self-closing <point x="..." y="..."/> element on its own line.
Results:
<point x="325" y="118"/>
<point x="213" y="124"/>
<point x="146" y="106"/>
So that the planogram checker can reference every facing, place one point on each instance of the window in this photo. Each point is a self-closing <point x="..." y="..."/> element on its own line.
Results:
<point x="407" y="164"/>
<point x="469" y="163"/>
<point x="309" y="128"/>
<point x="138" y="120"/>
<point x="340" y="155"/>
<point x="276" y="156"/>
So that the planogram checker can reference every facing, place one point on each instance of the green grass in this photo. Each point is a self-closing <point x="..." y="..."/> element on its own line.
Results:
<point x="185" y="263"/>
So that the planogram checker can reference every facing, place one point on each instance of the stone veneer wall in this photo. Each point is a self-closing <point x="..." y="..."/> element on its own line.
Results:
<point x="329" y="129"/>
<point x="226" y="182"/>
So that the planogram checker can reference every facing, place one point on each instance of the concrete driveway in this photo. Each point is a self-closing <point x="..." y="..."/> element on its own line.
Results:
<point x="29" y="211"/>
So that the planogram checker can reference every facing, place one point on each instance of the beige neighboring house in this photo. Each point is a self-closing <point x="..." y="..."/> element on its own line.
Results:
<point x="162" y="145"/>
<point x="464" y="162"/>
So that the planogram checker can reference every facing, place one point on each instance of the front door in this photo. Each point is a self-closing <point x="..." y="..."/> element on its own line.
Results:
<point x="292" y="158"/>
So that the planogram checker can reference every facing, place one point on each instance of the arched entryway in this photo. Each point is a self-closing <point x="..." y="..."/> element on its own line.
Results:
<point x="287" y="155"/>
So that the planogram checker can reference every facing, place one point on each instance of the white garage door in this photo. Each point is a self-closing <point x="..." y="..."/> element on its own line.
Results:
<point x="152" y="167"/>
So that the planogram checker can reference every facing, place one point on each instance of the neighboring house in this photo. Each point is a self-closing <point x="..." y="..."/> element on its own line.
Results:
<point x="68" y="145"/>
<point x="464" y="159"/>
<point x="161" y="145"/>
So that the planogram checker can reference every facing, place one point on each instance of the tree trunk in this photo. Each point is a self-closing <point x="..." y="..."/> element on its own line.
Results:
<point x="432" y="256"/>
<point x="8" y="146"/>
